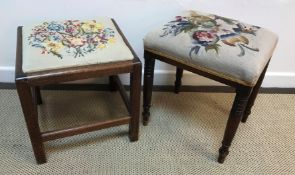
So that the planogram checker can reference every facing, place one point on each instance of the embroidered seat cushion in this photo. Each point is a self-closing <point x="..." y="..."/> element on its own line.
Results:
<point x="70" y="43"/>
<point x="221" y="46"/>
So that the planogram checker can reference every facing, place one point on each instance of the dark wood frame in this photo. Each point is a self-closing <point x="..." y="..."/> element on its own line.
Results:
<point x="241" y="109"/>
<point x="28" y="88"/>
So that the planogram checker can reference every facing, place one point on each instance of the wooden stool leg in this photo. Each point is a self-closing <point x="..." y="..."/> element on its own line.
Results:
<point x="253" y="96"/>
<point x="135" y="90"/>
<point x="235" y="117"/>
<point x="31" y="118"/>
<point x="37" y="95"/>
<point x="148" y="86"/>
<point x="112" y="84"/>
<point x="179" y="73"/>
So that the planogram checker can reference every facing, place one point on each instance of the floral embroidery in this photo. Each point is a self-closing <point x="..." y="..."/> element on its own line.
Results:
<point x="209" y="31"/>
<point x="71" y="37"/>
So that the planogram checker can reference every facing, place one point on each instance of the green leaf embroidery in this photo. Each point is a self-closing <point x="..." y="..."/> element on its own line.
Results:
<point x="188" y="28"/>
<point x="227" y="20"/>
<point x="212" y="47"/>
<point x="56" y="54"/>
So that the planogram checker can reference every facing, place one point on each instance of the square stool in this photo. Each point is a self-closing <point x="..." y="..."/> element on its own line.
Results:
<point x="222" y="49"/>
<point x="60" y="51"/>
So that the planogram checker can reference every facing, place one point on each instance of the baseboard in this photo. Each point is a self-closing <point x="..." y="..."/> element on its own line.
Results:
<point x="159" y="88"/>
<point x="167" y="78"/>
<point x="6" y="74"/>
<point x="271" y="80"/>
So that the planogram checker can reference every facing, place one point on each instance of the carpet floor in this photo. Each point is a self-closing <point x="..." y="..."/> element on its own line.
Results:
<point x="183" y="136"/>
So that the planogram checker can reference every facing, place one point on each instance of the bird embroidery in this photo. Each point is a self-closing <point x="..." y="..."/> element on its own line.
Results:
<point x="237" y="40"/>
<point x="210" y="31"/>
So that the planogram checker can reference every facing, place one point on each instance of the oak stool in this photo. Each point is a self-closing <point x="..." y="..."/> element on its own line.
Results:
<point x="59" y="51"/>
<point x="222" y="49"/>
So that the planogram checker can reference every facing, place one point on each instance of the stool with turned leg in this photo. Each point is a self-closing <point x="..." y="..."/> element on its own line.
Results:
<point x="222" y="49"/>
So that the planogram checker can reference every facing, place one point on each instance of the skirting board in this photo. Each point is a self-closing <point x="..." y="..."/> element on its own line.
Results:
<point x="167" y="77"/>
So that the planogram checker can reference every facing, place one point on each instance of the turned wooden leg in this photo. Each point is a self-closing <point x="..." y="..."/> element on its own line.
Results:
<point x="253" y="95"/>
<point x="112" y="84"/>
<point x="236" y="114"/>
<point x="135" y="90"/>
<point x="179" y="73"/>
<point x="31" y="117"/>
<point x="148" y="86"/>
<point x="37" y="95"/>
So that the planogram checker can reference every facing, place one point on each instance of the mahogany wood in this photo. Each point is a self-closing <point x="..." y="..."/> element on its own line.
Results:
<point x="179" y="73"/>
<point x="52" y="135"/>
<point x="148" y="85"/>
<point x="240" y="106"/>
<point x="235" y="116"/>
<point x="135" y="90"/>
<point x="112" y="83"/>
<point x="122" y="91"/>
<point x="254" y="95"/>
<point x="192" y="69"/>
<point x="28" y="87"/>
<point x="37" y="95"/>
<point x="31" y="117"/>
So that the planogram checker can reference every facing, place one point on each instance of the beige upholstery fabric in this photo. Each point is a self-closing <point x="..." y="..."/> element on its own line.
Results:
<point x="60" y="44"/>
<point x="221" y="46"/>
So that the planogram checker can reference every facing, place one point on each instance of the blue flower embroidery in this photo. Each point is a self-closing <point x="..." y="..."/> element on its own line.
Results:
<point x="55" y="27"/>
<point x="71" y="37"/>
<point x="209" y="31"/>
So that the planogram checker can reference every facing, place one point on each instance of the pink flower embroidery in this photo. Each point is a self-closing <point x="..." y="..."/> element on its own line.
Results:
<point x="71" y="37"/>
<point x="205" y="38"/>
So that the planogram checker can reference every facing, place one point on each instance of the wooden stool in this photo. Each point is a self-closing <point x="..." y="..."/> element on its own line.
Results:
<point x="222" y="49"/>
<point x="60" y="51"/>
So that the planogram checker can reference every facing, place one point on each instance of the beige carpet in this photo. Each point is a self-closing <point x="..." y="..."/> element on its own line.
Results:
<point x="183" y="136"/>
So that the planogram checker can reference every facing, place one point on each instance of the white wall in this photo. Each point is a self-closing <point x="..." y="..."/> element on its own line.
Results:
<point x="137" y="17"/>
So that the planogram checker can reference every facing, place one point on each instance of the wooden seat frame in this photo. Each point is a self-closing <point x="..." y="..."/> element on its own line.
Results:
<point x="241" y="108"/>
<point x="28" y="88"/>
